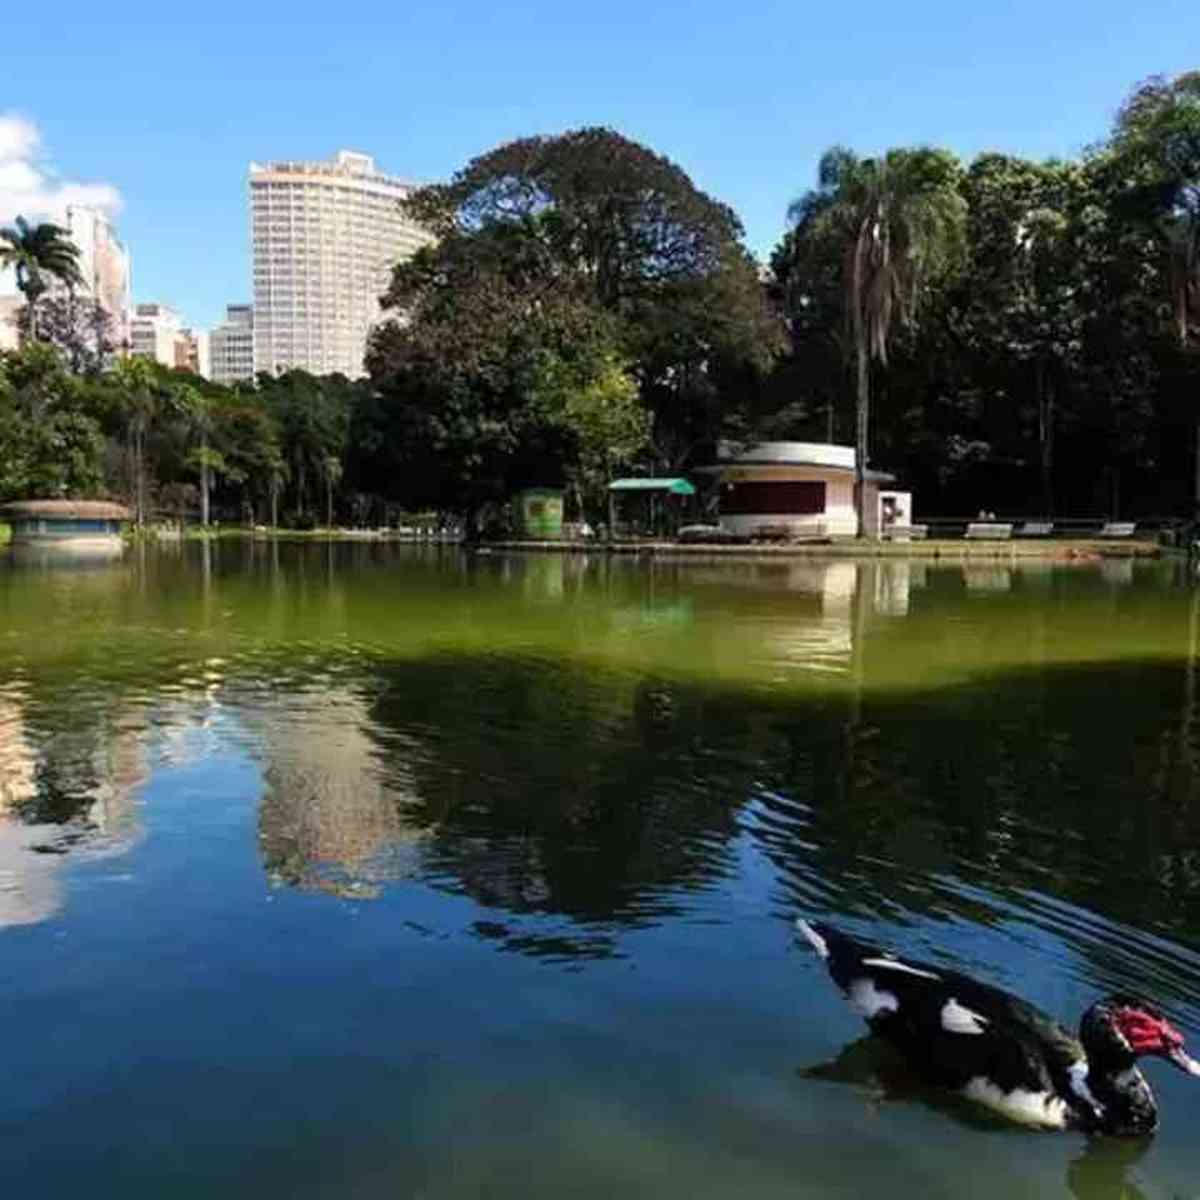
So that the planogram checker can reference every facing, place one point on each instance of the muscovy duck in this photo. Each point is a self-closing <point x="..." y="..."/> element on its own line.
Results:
<point x="999" y="1050"/>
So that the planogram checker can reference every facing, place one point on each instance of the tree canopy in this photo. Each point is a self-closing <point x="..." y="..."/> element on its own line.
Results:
<point x="585" y="247"/>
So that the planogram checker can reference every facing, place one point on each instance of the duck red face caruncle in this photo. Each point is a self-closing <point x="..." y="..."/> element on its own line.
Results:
<point x="1148" y="1032"/>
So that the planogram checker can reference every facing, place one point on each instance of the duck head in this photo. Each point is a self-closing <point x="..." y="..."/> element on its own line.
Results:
<point x="1119" y="1030"/>
<point x="1115" y="1033"/>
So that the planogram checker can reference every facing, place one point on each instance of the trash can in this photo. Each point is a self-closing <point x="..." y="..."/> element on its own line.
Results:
<point x="540" y="513"/>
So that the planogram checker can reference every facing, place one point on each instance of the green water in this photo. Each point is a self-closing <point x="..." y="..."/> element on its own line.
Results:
<point x="364" y="871"/>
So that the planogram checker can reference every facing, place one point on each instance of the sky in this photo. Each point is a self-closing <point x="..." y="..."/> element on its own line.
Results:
<point x="155" y="111"/>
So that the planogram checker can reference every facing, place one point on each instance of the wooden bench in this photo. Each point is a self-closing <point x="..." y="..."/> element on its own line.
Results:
<point x="1036" y="529"/>
<point x="988" y="531"/>
<point x="1118" y="529"/>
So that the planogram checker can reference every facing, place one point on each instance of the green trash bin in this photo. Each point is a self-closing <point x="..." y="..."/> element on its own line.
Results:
<point x="540" y="513"/>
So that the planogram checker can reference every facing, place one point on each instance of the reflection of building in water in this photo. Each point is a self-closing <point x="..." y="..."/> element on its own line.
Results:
<point x="60" y="791"/>
<point x="987" y="577"/>
<point x="1117" y="570"/>
<point x="806" y="611"/>
<point x="331" y="817"/>
<point x="893" y="586"/>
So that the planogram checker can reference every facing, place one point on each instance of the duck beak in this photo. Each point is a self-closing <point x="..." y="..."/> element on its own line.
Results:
<point x="1184" y="1061"/>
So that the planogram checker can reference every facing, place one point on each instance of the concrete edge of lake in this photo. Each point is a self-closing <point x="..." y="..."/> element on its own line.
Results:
<point x="1061" y="550"/>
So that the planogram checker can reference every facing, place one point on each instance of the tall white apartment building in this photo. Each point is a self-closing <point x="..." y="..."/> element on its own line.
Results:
<point x="326" y="236"/>
<point x="154" y="332"/>
<point x="10" y="308"/>
<point x="231" y="345"/>
<point x="104" y="264"/>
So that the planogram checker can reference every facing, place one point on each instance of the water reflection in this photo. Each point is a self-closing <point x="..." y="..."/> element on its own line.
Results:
<point x="636" y="771"/>
<point x="1106" y="1169"/>
<point x="64" y="788"/>
<point x="329" y="820"/>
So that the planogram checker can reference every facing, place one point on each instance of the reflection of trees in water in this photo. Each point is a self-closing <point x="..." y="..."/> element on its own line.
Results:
<point x="67" y="778"/>
<point x="1037" y="780"/>
<point x="551" y="791"/>
<point x="607" y="800"/>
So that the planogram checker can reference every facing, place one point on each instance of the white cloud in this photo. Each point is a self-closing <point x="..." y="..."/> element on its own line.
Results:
<point x="30" y="188"/>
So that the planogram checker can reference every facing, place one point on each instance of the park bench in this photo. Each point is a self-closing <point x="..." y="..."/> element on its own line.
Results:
<point x="1036" y="529"/>
<point x="988" y="531"/>
<point x="1118" y="529"/>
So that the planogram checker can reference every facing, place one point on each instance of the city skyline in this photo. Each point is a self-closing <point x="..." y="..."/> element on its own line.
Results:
<point x="745" y="101"/>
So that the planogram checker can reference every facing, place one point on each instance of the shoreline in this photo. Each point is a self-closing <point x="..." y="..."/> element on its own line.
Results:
<point x="952" y="549"/>
<point x="1067" y="550"/>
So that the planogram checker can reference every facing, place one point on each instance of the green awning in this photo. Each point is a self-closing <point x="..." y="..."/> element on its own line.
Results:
<point x="680" y="487"/>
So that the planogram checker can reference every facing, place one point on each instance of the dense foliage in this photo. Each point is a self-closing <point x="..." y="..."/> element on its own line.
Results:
<point x="585" y="307"/>
<point x="1056" y="366"/>
<point x="1023" y="337"/>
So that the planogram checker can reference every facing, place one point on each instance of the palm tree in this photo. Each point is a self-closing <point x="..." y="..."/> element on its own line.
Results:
<point x="331" y="468"/>
<point x="39" y="253"/>
<point x="142" y="397"/>
<point x="197" y="412"/>
<point x="900" y="222"/>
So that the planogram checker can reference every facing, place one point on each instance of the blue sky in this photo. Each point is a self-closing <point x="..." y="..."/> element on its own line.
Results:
<point x="169" y="103"/>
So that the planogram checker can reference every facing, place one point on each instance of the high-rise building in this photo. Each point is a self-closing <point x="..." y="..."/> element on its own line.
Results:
<point x="104" y="264"/>
<point x="192" y="353"/>
<point x="104" y="270"/>
<point x="231" y="345"/>
<point x="154" y="333"/>
<point x="10" y="308"/>
<point x="326" y="236"/>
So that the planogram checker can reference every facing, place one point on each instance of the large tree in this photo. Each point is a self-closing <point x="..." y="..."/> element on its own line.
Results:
<point x="504" y="373"/>
<point x="40" y="255"/>
<point x="1020" y="302"/>
<point x="899" y="222"/>
<point x="50" y="446"/>
<point x="624" y="231"/>
<point x="1155" y="152"/>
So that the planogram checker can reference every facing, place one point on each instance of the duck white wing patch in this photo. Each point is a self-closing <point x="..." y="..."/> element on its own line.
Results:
<point x="957" y="1018"/>
<point x="1039" y="1110"/>
<point x="894" y="964"/>
<point x="1077" y="1072"/>
<point x="814" y="939"/>
<point x="869" y="1001"/>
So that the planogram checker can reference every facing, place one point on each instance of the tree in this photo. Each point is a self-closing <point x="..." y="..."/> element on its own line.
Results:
<point x="312" y="415"/>
<point x="590" y="395"/>
<point x="80" y="328"/>
<point x="505" y="373"/>
<point x="1156" y="147"/>
<point x="899" y="220"/>
<point x="620" y="230"/>
<point x="197" y="412"/>
<point x="49" y="446"/>
<point x="144" y="395"/>
<point x="331" y="469"/>
<point x="1021" y="311"/>
<point x="40" y="254"/>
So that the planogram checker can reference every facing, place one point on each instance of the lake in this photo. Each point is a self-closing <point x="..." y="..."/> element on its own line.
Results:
<point x="367" y="871"/>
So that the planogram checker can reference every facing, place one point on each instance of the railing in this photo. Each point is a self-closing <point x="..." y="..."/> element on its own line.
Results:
<point x="1061" y="527"/>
